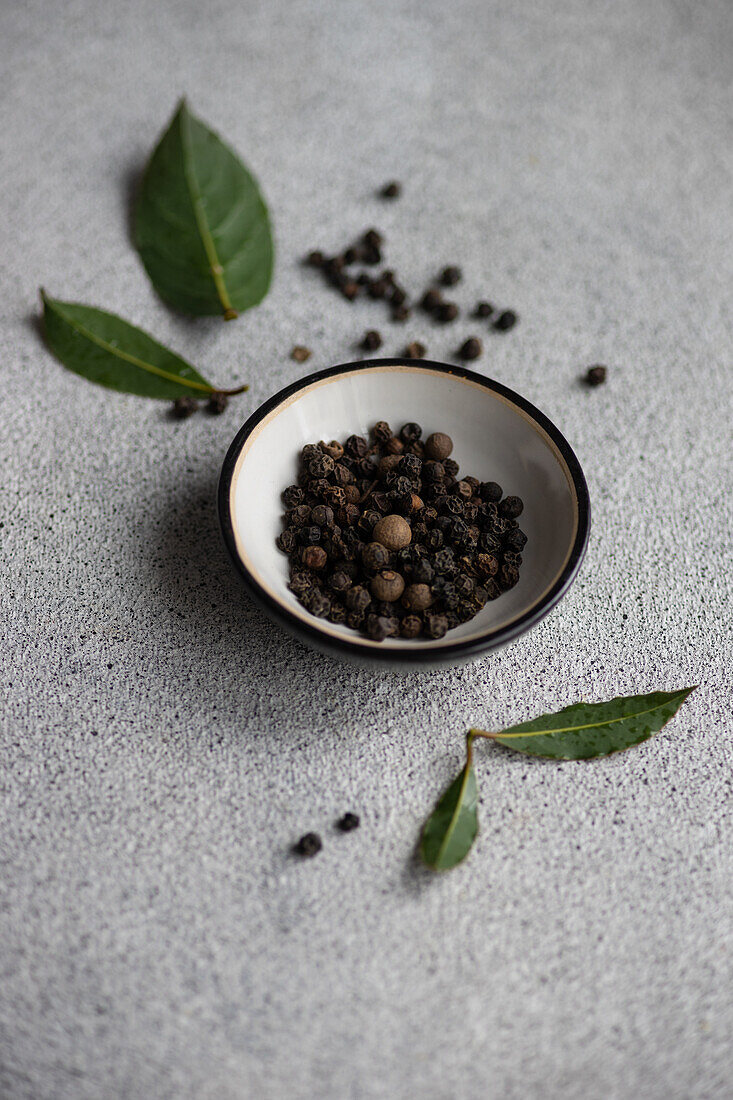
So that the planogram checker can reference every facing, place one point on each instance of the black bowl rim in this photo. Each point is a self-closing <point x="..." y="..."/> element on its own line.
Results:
<point x="416" y="654"/>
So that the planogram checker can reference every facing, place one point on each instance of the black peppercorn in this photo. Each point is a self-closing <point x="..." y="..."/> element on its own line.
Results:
<point x="315" y="602"/>
<point x="483" y="309"/>
<point x="358" y="599"/>
<point x="371" y="255"/>
<point x="471" y="348"/>
<point x="217" y="403"/>
<point x="315" y="258"/>
<point x="430" y="300"/>
<point x="505" y="320"/>
<point x="490" y="492"/>
<point x="410" y="432"/>
<point x="183" y="407"/>
<point x="411" y="626"/>
<point x="377" y="289"/>
<point x="595" y="376"/>
<point x="309" y="845"/>
<point x="423" y="572"/>
<point x="348" y="823"/>
<point x="310" y="534"/>
<point x="292" y="496"/>
<point x="400" y="313"/>
<point x="511" y="507"/>
<point x="451" y="275"/>
<point x="415" y="350"/>
<point x="375" y="557"/>
<point x="371" y="340"/>
<point x="391" y="190"/>
<point x="287" y="540"/>
<point x="436" y="626"/>
<point x="356" y="446"/>
<point x="322" y="515"/>
<point x="446" y="312"/>
<point x="515" y="540"/>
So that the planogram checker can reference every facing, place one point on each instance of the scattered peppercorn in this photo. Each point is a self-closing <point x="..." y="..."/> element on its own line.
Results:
<point x="505" y="320"/>
<point x="371" y="340"/>
<point x="400" y="314"/>
<point x="217" y="403"/>
<point x="451" y="275"/>
<point x="385" y="537"/>
<point x="446" y="312"/>
<point x="348" y="823"/>
<point x="183" y="407"/>
<point x="300" y="353"/>
<point x="430" y="300"/>
<point x="595" y="376"/>
<point x="309" y="845"/>
<point x="315" y="258"/>
<point x="415" y="350"/>
<point x="483" y="309"/>
<point x="391" y="190"/>
<point x="471" y="348"/>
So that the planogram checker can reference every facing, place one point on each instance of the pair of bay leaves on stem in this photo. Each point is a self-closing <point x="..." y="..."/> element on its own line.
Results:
<point x="202" y="230"/>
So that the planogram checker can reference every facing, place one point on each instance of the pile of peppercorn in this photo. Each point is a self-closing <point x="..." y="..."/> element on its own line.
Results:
<point x="384" y="536"/>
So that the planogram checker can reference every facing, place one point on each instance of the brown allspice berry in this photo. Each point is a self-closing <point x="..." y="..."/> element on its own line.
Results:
<point x="393" y="532"/>
<point x="438" y="446"/>
<point x="387" y="586"/>
<point x="417" y="597"/>
<point x="387" y="465"/>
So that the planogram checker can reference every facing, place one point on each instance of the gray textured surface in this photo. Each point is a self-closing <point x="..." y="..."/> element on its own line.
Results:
<point x="163" y="745"/>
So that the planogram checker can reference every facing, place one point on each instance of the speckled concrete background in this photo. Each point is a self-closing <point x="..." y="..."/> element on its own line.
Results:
<point x="163" y="744"/>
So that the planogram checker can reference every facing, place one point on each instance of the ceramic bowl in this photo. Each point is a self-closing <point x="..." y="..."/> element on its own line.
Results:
<point x="498" y="436"/>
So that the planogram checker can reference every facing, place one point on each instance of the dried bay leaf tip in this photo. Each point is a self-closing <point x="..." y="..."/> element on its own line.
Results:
<point x="387" y="586"/>
<point x="438" y="446"/>
<point x="393" y="531"/>
<point x="300" y="353"/>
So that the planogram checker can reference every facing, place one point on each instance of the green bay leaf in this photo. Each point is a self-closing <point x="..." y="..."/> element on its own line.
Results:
<point x="452" y="827"/>
<point x="201" y="224"/>
<point x="106" y="349"/>
<point x="586" y="730"/>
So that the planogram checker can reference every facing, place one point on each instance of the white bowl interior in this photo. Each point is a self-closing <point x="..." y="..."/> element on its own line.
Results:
<point x="493" y="440"/>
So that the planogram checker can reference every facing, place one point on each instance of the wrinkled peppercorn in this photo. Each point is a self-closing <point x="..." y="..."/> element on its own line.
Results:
<point x="483" y="309"/>
<point x="386" y="537"/>
<point x="415" y="350"/>
<point x="430" y="300"/>
<point x="348" y="823"/>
